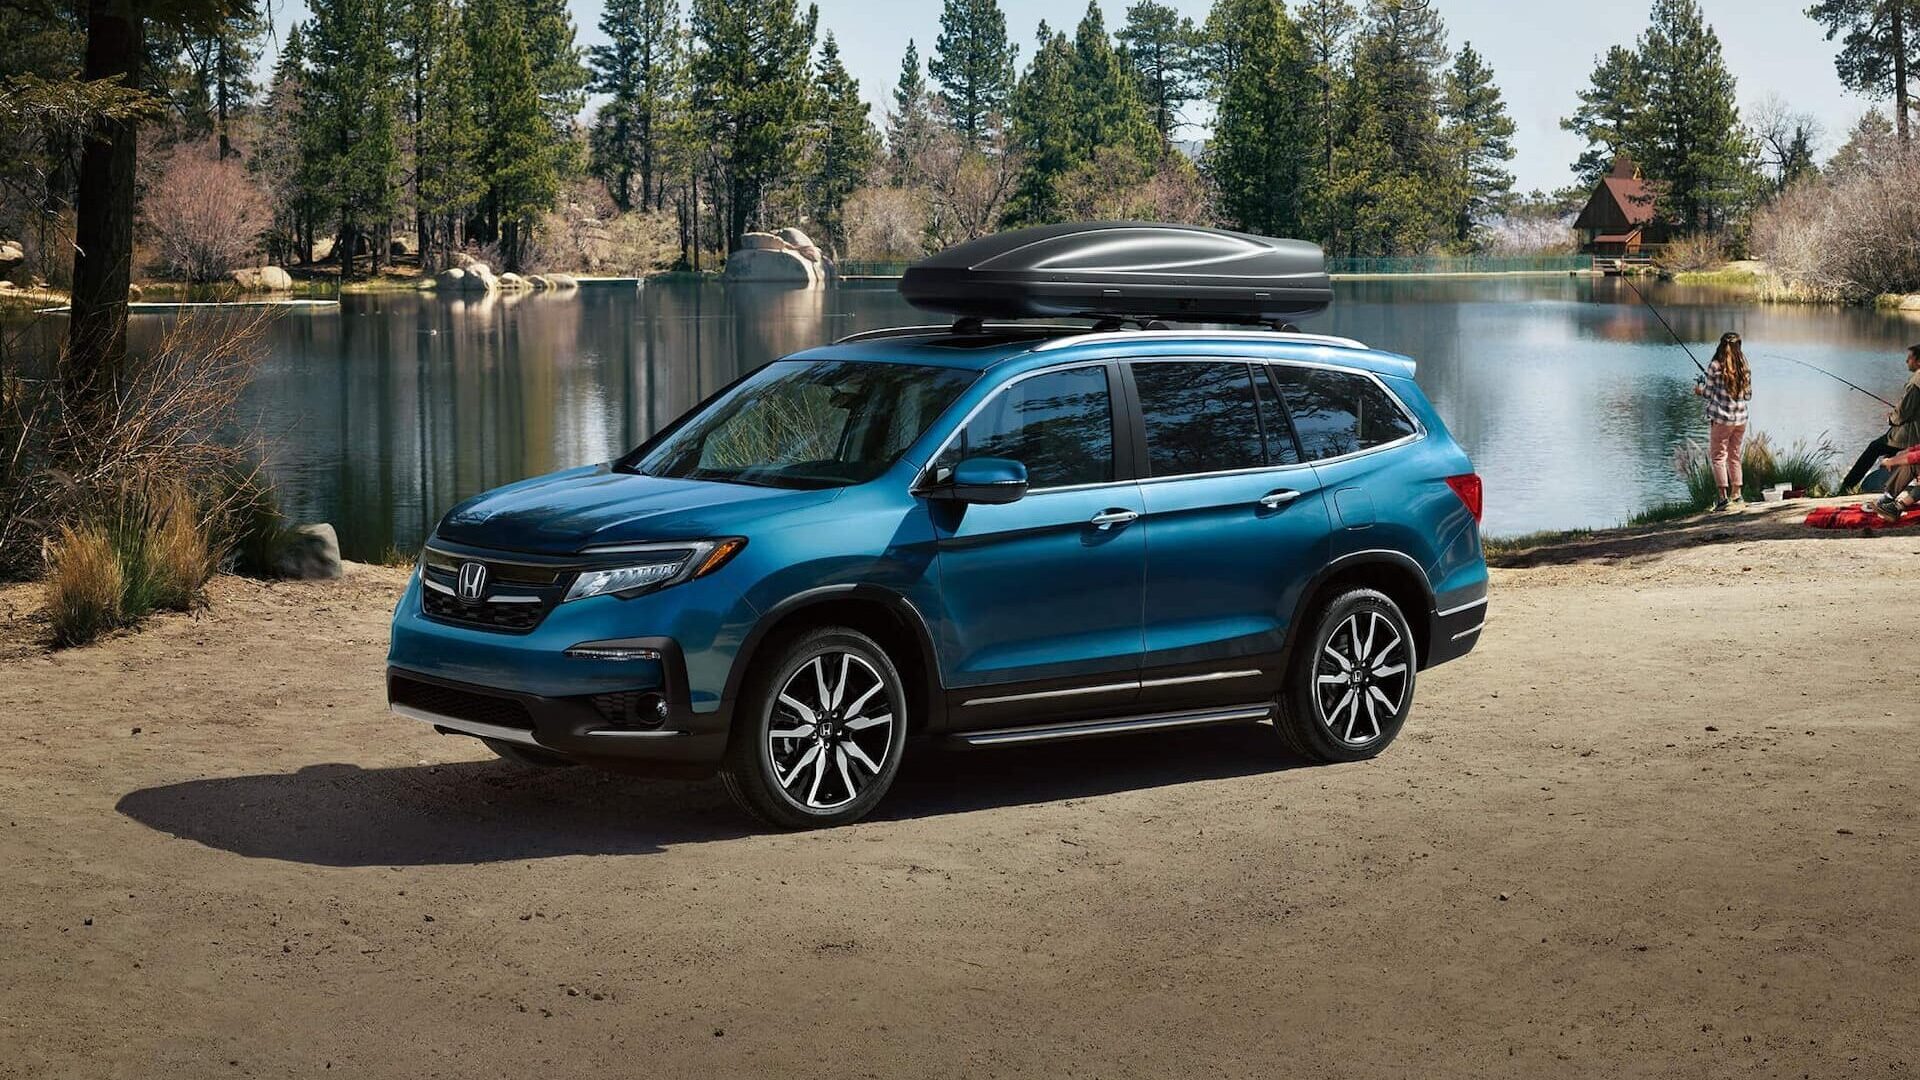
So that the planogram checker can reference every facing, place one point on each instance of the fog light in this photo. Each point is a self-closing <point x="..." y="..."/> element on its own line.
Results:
<point x="611" y="652"/>
<point x="632" y="709"/>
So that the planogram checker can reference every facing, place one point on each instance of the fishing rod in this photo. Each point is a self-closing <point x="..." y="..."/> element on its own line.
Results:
<point x="1765" y="356"/>
<point x="1830" y="375"/>
<point x="1678" y="340"/>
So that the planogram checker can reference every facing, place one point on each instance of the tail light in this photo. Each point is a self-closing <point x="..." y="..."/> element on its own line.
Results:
<point x="1468" y="488"/>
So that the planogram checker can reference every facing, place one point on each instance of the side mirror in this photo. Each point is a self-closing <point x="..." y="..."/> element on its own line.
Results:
<point x="984" y="480"/>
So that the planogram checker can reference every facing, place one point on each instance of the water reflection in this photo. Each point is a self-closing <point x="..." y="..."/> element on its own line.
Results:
<point x="1567" y="392"/>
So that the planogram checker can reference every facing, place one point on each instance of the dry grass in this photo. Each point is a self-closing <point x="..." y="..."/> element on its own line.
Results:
<point x="84" y="585"/>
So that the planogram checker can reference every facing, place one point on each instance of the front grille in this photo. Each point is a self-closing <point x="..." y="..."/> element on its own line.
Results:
<point x="459" y="704"/>
<point x="438" y="600"/>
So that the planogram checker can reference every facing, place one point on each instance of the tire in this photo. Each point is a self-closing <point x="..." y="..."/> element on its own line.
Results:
<point x="1330" y="712"/>
<point x="527" y="755"/>
<point x="826" y="714"/>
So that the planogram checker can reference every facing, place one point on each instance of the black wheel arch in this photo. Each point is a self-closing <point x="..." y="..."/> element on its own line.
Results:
<point x="880" y="613"/>
<point x="1393" y="573"/>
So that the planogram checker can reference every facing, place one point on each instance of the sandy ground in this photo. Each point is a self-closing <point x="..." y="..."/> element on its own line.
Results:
<point x="1662" y="823"/>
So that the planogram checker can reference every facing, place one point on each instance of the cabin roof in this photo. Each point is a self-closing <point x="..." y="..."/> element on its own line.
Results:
<point x="1621" y="203"/>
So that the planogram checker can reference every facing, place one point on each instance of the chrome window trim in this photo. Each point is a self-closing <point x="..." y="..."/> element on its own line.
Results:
<point x="922" y="485"/>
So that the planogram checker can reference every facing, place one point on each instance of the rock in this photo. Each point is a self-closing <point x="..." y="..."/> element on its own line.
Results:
<point x="800" y="242"/>
<point x="7" y="286"/>
<point x="134" y="292"/>
<point x="563" y="281"/>
<point x="759" y="264"/>
<point x="1910" y="302"/>
<point x="760" y="241"/>
<point x="312" y="553"/>
<point x="513" y="281"/>
<point x="263" y="279"/>
<point x="539" y="281"/>
<point x="11" y="256"/>
<point x="467" y="262"/>
<point x="451" y="278"/>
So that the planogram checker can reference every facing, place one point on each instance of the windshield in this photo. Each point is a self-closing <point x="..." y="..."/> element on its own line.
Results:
<point x="808" y="424"/>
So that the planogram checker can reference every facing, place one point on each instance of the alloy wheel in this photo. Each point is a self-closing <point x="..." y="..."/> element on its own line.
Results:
<point x="831" y="730"/>
<point x="1362" y="678"/>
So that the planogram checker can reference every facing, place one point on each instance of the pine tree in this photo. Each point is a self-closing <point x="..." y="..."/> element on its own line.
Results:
<point x="1328" y="28"/>
<point x="1393" y="191"/>
<point x="1877" y="59"/>
<point x="846" y="146"/>
<point x="752" y="87"/>
<point x="639" y="69"/>
<point x="974" y="62"/>
<point x="1480" y="134"/>
<point x="1873" y="141"/>
<point x="1043" y="131"/>
<point x="1609" y="113"/>
<point x="1689" y="137"/>
<point x="1164" y="49"/>
<point x="559" y="75"/>
<point x="517" y="156"/>
<point x="1261" y="153"/>
<point x="289" y="154"/>
<point x="1108" y="110"/>
<point x="350" y="100"/>
<point x="911" y="124"/>
<point x="222" y="57"/>
<point x="447" y="138"/>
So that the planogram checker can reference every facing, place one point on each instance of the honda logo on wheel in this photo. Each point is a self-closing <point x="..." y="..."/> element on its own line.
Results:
<point x="473" y="582"/>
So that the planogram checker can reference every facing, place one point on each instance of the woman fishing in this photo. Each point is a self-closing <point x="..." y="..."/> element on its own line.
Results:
<point x="1728" y="387"/>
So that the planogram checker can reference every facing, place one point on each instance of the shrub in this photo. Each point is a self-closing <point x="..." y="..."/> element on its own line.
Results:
<point x="1701" y="251"/>
<point x="205" y="215"/>
<point x="1852" y="236"/>
<point x="84" y="585"/>
<point x="1806" y="466"/>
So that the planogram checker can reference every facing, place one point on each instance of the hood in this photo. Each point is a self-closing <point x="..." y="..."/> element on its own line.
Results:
<point x="565" y="512"/>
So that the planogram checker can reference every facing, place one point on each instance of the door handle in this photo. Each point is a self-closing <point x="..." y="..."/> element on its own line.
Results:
<point x="1277" y="499"/>
<point x="1107" y="519"/>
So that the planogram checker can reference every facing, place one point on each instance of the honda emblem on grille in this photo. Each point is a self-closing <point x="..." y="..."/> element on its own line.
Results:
<point x="473" y="582"/>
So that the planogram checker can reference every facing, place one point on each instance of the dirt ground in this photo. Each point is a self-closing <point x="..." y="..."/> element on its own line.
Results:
<point x="1662" y="823"/>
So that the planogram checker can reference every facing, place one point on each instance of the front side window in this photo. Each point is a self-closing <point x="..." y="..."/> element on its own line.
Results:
<point x="1059" y="425"/>
<point x="808" y="424"/>
<point x="1339" y="412"/>
<point x="1200" y="417"/>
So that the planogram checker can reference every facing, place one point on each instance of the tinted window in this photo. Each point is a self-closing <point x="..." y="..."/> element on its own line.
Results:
<point x="1059" y="425"/>
<point x="1281" y="447"/>
<point x="1336" y="412"/>
<point x="1200" y="417"/>
<point x="795" y="424"/>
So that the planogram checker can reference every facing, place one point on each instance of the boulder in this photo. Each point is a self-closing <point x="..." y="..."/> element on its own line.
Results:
<point x="467" y="262"/>
<point x="1910" y="302"/>
<point x="311" y="553"/>
<point x="783" y="267"/>
<point x="539" y="281"/>
<point x="11" y="256"/>
<point x="135" y="292"/>
<point x="263" y="279"/>
<point x="760" y="241"/>
<point x="513" y="281"/>
<point x="563" y="281"/>
<point x="452" y="278"/>
<point x="800" y="242"/>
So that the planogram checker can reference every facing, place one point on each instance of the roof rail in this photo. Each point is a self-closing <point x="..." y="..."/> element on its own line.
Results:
<point x="1289" y="337"/>
<point x="1062" y="329"/>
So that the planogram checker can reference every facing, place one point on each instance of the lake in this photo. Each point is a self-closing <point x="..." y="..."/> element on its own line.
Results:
<point x="1567" y="392"/>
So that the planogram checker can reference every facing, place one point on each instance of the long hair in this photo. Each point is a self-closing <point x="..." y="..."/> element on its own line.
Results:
<point x="1732" y="358"/>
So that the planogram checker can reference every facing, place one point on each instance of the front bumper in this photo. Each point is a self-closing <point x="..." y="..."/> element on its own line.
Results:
<point x="580" y="728"/>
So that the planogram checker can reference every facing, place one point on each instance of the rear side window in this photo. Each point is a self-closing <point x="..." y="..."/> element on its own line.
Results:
<point x="1059" y="425"/>
<point x="1339" y="412"/>
<point x="1200" y="417"/>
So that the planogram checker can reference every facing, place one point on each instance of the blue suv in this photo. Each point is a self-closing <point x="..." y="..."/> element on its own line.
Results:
<point x="986" y="535"/>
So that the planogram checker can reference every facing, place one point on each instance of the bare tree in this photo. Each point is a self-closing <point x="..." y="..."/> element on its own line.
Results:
<point x="1789" y="140"/>
<point x="206" y="214"/>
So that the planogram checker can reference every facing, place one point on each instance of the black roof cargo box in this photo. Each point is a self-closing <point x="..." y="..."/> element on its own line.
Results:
<point x="1124" y="269"/>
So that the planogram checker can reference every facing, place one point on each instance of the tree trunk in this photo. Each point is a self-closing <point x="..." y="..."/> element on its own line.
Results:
<point x="103" y="227"/>
<point x="220" y="89"/>
<point x="1900" y="67"/>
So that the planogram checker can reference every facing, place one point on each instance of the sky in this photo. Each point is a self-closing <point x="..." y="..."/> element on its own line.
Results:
<point x="1541" y="52"/>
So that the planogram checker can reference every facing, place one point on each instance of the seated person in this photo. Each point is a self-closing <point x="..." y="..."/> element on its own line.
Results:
<point x="1903" y="490"/>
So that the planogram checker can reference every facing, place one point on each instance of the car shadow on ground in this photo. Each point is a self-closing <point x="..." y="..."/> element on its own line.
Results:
<point x="491" y="811"/>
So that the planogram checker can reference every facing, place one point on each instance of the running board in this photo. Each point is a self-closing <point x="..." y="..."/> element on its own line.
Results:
<point x="1088" y="729"/>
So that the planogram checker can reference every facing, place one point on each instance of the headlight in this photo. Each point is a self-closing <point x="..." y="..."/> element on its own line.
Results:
<point x="654" y="566"/>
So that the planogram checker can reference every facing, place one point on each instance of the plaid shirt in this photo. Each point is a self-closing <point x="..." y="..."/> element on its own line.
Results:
<point x="1722" y="406"/>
